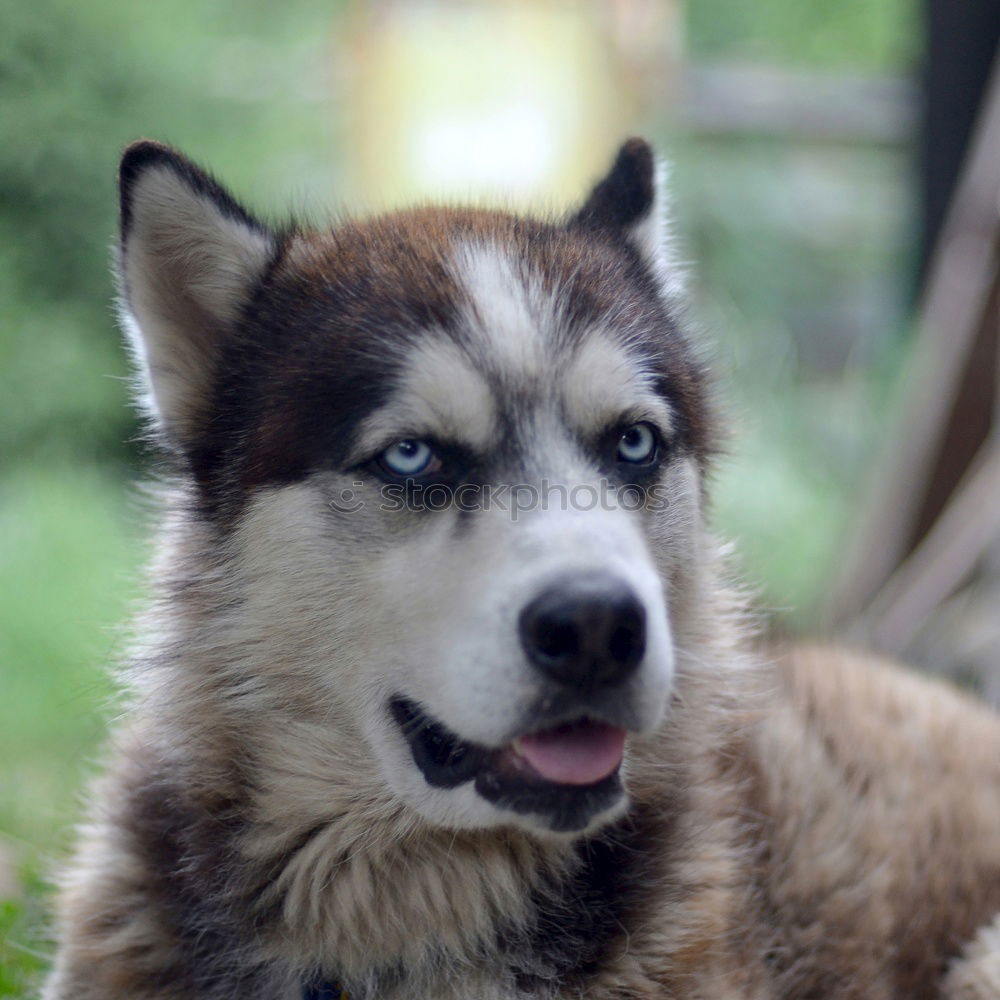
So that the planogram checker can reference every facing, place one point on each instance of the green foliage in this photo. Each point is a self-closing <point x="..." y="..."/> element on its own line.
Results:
<point x="60" y="84"/>
<point x="853" y="35"/>
<point x="801" y="255"/>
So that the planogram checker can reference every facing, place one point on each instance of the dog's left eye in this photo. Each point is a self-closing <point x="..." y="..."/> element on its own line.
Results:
<point x="637" y="445"/>
<point x="409" y="458"/>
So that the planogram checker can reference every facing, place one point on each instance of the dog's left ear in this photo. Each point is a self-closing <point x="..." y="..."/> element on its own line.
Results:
<point x="630" y="204"/>
<point x="189" y="259"/>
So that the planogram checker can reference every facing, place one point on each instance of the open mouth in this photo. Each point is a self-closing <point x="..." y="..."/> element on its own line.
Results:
<point x="566" y="774"/>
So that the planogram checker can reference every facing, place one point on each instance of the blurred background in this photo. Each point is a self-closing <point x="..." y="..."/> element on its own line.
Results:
<point x="836" y="173"/>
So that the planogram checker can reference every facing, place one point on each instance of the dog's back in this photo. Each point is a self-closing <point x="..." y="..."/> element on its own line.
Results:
<point x="879" y="794"/>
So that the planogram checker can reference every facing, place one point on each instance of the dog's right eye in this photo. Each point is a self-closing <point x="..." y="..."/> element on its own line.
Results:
<point x="409" y="458"/>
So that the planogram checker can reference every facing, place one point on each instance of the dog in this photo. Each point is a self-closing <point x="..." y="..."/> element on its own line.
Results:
<point x="444" y="689"/>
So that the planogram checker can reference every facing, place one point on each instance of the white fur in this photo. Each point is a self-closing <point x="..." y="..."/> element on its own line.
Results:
<point x="654" y="239"/>
<point x="506" y="312"/>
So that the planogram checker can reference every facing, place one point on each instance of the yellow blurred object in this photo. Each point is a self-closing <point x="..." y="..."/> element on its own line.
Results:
<point x="513" y="100"/>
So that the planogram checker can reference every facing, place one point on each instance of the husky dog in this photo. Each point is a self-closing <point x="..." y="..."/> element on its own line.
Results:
<point x="443" y="691"/>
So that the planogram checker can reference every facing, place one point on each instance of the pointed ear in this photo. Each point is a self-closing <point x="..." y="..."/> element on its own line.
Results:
<point x="630" y="204"/>
<point x="188" y="261"/>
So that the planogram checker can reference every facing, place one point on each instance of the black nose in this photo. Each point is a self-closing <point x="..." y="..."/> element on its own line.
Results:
<point x="585" y="631"/>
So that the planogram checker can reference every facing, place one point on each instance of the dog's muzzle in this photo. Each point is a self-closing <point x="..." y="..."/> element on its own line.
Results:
<point x="585" y="637"/>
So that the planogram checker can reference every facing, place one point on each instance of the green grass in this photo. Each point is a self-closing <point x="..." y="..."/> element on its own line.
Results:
<point x="67" y="561"/>
<point x="24" y="944"/>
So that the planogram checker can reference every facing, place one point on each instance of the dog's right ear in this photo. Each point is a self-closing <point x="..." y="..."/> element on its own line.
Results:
<point x="189" y="259"/>
<point x="630" y="205"/>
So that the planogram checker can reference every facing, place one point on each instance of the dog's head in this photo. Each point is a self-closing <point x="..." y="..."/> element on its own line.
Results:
<point x="450" y="461"/>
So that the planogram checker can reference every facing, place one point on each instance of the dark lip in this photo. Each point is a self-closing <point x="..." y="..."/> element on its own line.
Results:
<point x="446" y="761"/>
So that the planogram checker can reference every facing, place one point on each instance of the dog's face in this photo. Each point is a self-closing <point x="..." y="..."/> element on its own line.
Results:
<point x="452" y="461"/>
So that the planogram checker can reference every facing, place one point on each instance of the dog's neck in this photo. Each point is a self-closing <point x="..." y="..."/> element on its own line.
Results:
<point x="348" y="875"/>
<point x="502" y="904"/>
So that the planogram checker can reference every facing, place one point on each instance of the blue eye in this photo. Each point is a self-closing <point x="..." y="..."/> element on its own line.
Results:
<point x="407" y="458"/>
<point x="637" y="445"/>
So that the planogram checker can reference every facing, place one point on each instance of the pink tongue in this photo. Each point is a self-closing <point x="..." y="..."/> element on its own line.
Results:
<point x="579" y="754"/>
